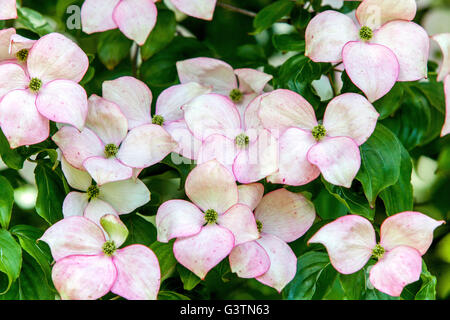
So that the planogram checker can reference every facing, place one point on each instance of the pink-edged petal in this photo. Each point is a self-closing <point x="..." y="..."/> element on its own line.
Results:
<point x="349" y="241"/>
<point x="337" y="158"/>
<point x="294" y="168"/>
<point x="250" y="194"/>
<point x="398" y="268"/>
<point x="375" y="13"/>
<point x="146" y="145"/>
<point x="74" y="236"/>
<point x="8" y="10"/>
<point x="285" y="214"/>
<point x="413" y="229"/>
<point x="20" y="121"/>
<point x="97" y="15"/>
<point x="203" y="251"/>
<point x="126" y="195"/>
<point x="83" y="277"/>
<point x="249" y="260"/>
<point x="107" y="120"/>
<point x="135" y="18"/>
<point x="138" y="273"/>
<point x="78" y="146"/>
<point x="170" y="100"/>
<point x="446" y="128"/>
<point x="326" y="35"/>
<point x="55" y="56"/>
<point x="281" y="109"/>
<point x="443" y="40"/>
<point x="114" y="228"/>
<point x="243" y="104"/>
<point x="239" y="219"/>
<point x="283" y="262"/>
<point x="251" y="80"/>
<point x="96" y="209"/>
<point x="188" y="145"/>
<point x="178" y="218"/>
<point x="211" y="186"/>
<point x="372" y="68"/>
<point x="251" y="114"/>
<point x="77" y="179"/>
<point x="220" y="148"/>
<point x="410" y="44"/>
<point x="212" y="73"/>
<point x="104" y="170"/>
<point x="74" y="204"/>
<point x="17" y="43"/>
<point x="5" y="36"/>
<point x="13" y="77"/>
<point x="132" y="96"/>
<point x="201" y="9"/>
<point x="350" y="115"/>
<point x="63" y="101"/>
<point x="212" y="114"/>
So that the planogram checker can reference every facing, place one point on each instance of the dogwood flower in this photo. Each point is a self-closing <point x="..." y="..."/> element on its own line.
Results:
<point x="201" y="9"/>
<point x="14" y="47"/>
<point x="46" y="90"/>
<point x="404" y="238"/>
<point x="281" y="216"/>
<point x="88" y="265"/>
<point x="8" y="10"/>
<point x="209" y="228"/>
<point x="308" y="147"/>
<point x="384" y="48"/>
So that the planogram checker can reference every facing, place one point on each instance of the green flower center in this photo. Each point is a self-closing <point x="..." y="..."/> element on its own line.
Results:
<point x="242" y="140"/>
<point x="35" y="85"/>
<point x="92" y="192"/>
<point x="365" y="33"/>
<point x="259" y="225"/>
<point x="319" y="132"/>
<point x="211" y="216"/>
<point x="22" y="55"/>
<point x="378" y="251"/>
<point x="111" y="150"/>
<point x="236" y="95"/>
<point x="157" y="119"/>
<point x="109" y="247"/>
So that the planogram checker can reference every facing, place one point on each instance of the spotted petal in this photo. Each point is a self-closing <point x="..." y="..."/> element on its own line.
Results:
<point x="13" y="77"/>
<point x="375" y="13"/>
<point x="239" y="219"/>
<point x="187" y="145"/>
<point x="201" y="9"/>
<point x="97" y="15"/>
<point x="249" y="260"/>
<point x="250" y="194"/>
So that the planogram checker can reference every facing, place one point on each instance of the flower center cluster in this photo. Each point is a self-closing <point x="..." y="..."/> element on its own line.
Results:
<point x="319" y="132"/>
<point x="378" y="251"/>
<point x="92" y="192"/>
<point x="35" y="85"/>
<point x="259" y="225"/>
<point x="111" y="150"/>
<point x="365" y="33"/>
<point x="22" y="55"/>
<point x="157" y="119"/>
<point x="236" y="95"/>
<point x="242" y="140"/>
<point x="211" y="216"/>
<point x="109" y="247"/>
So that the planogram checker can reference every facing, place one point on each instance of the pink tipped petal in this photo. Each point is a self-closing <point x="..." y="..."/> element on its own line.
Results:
<point x="77" y="179"/>
<point x="74" y="236"/>
<point x="78" y="146"/>
<point x="285" y="214"/>
<point x="251" y="194"/>
<point x="211" y="186"/>
<point x="349" y="241"/>
<point x="350" y="115"/>
<point x="146" y="145"/>
<point x="446" y="127"/>
<point x="201" y="9"/>
<point x="409" y="228"/>
<point x="17" y="43"/>
<point x="410" y="44"/>
<point x="212" y="114"/>
<point x="220" y="148"/>
<point x="74" y="204"/>
<point x="96" y="209"/>
<point x="281" y="109"/>
<point x="294" y="168"/>
<point x="13" y="77"/>
<point x="178" y="218"/>
<point x="203" y="251"/>
<point x="138" y="273"/>
<point x="212" y="73"/>
<point x="133" y="97"/>
<point x="398" y="268"/>
<point x="251" y="114"/>
<point x="372" y="68"/>
<point x="375" y="13"/>
<point x="170" y="100"/>
<point x="135" y="18"/>
<point x="251" y="80"/>
<point x="97" y="15"/>
<point x="5" y="36"/>
<point x="56" y="57"/>
<point x="240" y="221"/>
<point x="283" y="262"/>
<point x="249" y="260"/>
<point x="107" y="120"/>
<point x="188" y="145"/>
<point x="20" y="121"/>
<point x="326" y="35"/>
<point x="337" y="158"/>
<point x="126" y="195"/>
<point x="107" y="170"/>
<point x="115" y="229"/>
<point x="443" y="40"/>
<point x="63" y="101"/>
<point x="84" y="277"/>
<point x="8" y="10"/>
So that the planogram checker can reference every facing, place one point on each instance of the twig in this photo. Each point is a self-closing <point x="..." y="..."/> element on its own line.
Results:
<point x="235" y="9"/>
<point x="330" y="78"/>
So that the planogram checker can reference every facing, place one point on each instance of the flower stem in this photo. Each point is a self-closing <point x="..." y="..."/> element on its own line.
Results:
<point x="236" y="9"/>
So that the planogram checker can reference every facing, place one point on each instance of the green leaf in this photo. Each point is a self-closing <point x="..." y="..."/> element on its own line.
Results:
<point x="288" y="42"/>
<point x="389" y="103"/>
<point x="171" y="295"/>
<point x="353" y="284"/>
<point x="380" y="162"/>
<point x="189" y="279"/>
<point x="428" y="289"/>
<point x="328" y="207"/>
<point x="11" y="157"/>
<point x="167" y="261"/>
<point x="140" y="230"/>
<point x="6" y="202"/>
<point x="10" y="258"/>
<point x="33" y="21"/>
<point x="271" y="14"/>
<point x="161" y="35"/>
<point x="112" y="48"/>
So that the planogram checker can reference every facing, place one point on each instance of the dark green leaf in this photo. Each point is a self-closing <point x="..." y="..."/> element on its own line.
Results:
<point x="140" y="230"/>
<point x="6" y="202"/>
<point x="189" y="279"/>
<point x="389" y="103"/>
<point x="10" y="258"/>
<point x="11" y="157"/>
<point x="328" y="207"/>
<point x="161" y="35"/>
<point x="288" y="42"/>
<point x="428" y="289"/>
<point x="112" y="48"/>
<point x="33" y="21"/>
<point x="171" y="295"/>
<point x="167" y="261"/>
<point x="271" y="14"/>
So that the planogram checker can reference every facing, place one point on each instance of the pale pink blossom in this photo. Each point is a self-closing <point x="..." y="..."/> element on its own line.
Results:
<point x="14" y="47"/>
<point x="8" y="10"/>
<point x="404" y="238"/>
<point x="201" y="9"/>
